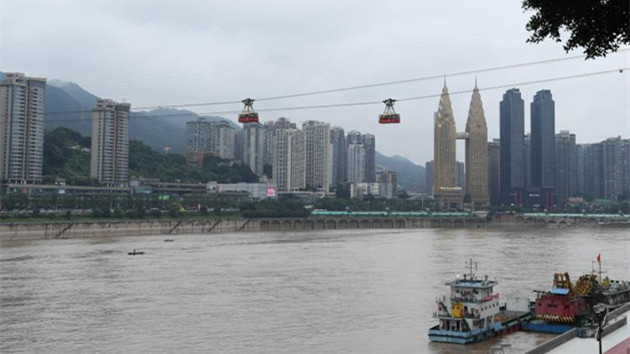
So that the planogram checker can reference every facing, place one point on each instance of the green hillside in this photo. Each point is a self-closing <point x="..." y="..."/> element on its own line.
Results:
<point x="67" y="155"/>
<point x="410" y="176"/>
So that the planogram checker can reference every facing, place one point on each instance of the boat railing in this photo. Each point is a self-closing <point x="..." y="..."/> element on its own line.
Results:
<point x="470" y="314"/>
<point x="464" y="315"/>
<point x="471" y="299"/>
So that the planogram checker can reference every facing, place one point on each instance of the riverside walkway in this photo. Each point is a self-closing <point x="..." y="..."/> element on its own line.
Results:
<point x="616" y="342"/>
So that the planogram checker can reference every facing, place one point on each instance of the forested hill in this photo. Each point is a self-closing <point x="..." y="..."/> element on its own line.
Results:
<point x="410" y="176"/>
<point x="67" y="155"/>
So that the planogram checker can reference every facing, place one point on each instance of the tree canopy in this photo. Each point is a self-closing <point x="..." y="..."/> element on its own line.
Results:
<point x="598" y="26"/>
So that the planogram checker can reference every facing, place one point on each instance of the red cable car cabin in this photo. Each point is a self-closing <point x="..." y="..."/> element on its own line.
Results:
<point x="251" y="117"/>
<point x="389" y="116"/>
<point x="248" y="115"/>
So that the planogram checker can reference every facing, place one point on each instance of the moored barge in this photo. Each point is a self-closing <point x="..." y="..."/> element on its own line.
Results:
<point x="569" y="305"/>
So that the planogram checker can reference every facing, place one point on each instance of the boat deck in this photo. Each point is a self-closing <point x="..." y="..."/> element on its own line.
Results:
<point x="505" y="315"/>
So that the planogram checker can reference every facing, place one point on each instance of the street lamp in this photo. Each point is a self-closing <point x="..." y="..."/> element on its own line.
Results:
<point x="600" y="316"/>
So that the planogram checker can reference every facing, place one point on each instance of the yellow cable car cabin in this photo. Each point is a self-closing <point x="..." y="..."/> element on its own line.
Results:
<point x="389" y="116"/>
<point x="248" y="115"/>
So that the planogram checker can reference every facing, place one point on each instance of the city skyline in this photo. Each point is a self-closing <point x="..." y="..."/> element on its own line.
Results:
<point x="460" y="153"/>
<point x="266" y="64"/>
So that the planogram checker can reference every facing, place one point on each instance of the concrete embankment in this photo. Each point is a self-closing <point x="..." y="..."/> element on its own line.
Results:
<point x="53" y="230"/>
<point x="70" y="229"/>
<point x="76" y="229"/>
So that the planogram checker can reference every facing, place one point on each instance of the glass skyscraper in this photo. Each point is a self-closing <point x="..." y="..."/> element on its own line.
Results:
<point x="543" y="147"/>
<point x="512" y="155"/>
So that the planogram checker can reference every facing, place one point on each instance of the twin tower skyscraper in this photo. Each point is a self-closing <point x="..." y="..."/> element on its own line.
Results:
<point x="446" y="192"/>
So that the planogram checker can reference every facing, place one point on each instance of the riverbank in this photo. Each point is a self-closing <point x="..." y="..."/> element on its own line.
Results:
<point x="88" y="229"/>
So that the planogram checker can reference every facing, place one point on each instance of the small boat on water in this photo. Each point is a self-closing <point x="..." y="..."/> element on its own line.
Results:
<point x="472" y="312"/>
<point x="169" y="240"/>
<point x="135" y="253"/>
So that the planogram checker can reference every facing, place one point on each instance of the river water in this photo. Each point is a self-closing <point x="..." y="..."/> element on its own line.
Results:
<point x="360" y="291"/>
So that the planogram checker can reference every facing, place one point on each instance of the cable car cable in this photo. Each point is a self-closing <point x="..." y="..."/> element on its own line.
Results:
<point x="364" y="103"/>
<point x="387" y="83"/>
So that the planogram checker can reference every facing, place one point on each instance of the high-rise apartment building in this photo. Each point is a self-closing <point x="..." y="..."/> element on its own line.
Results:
<point x="476" y="185"/>
<point x="581" y="151"/>
<point x="625" y="168"/>
<point x="543" y="147"/>
<point x="527" y="167"/>
<point x="369" y="143"/>
<point x="198" y="135"/>
<point x="512" y="157"/>
<point x="222" y="139"/>
<point x="389" y="178"/>
<point x="297" y="160"/>
<point x="218" y="137"/>
<point x="356" y="163"/>
<point x="271" y="128"/>
<point x="611" y="159"/>
<point x="289" y="157"/>
<point x="238" y="146"/>
<point x="591" y="170"/>
<point x="447" y="193"/>
<point x="494" y="172"/>
<point x="318" y="164"/>
<point x="604" y="169"/>
<point x="461" y="176"/>
<point x="566" y="166"/>
<point x="429" y="174"/>
<point x="339" y="156"/>
<point x="21" y="128"/>
<point x="253" y="146"/>
<point x="354" y="137"/>
<point x="109" y="162"/>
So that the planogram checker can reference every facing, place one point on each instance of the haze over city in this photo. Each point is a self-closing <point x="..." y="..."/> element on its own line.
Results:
<point x="193" y="51"/>
<point x="314" y="176"/>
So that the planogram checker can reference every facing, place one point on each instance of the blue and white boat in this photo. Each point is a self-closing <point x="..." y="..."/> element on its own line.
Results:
<point x="472" y="313"/>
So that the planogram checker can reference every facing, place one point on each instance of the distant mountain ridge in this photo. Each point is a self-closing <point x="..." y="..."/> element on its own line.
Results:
<point x="410" y="176"/>
<point x="159" y="128"/>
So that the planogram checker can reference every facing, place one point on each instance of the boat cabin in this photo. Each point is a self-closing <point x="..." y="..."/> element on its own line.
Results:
<point x="472" y="304"/>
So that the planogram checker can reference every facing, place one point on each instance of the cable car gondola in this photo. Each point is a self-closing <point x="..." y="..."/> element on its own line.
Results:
<point x="248" y="115"/>
<point x="389" y="116"/>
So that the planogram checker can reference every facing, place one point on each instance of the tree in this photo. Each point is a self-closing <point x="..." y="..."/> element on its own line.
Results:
<point x="343" y="191"/>
<point x="598" y="26"/>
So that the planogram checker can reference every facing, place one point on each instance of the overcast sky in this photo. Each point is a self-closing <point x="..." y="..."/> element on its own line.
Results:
<point x="151" y="52"/>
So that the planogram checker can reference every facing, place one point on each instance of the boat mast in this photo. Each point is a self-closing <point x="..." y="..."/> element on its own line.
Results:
<point x="599" y="272"/>
<point x="469" y="266"/>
